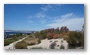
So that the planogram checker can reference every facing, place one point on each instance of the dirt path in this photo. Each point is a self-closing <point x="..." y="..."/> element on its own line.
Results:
<point x="11" y="46"/>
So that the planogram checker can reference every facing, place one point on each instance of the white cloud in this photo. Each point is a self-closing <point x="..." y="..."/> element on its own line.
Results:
<point x="46" y="7"/>
<point x="40" y="15"/>
<point x="67" y="15"/>
<point x="73" y="23"/>
<point x="50" y="6"/>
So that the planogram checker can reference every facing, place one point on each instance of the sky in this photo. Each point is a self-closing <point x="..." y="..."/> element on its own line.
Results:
<point x="37" y="17"/>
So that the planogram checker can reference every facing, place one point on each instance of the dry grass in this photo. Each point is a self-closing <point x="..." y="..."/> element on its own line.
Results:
<point x="31" y="41"/>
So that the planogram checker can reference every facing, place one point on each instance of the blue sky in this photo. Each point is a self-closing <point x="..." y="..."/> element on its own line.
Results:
<point x="43" y="16"/>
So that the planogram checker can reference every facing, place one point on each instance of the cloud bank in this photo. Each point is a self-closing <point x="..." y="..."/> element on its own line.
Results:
<point x="69" y="20"/>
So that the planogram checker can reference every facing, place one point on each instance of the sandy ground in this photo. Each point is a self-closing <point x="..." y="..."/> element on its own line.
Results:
<point x="46" y="44"/>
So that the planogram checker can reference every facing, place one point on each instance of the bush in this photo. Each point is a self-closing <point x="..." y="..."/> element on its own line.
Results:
<point x="39" y="41"/>
<point x="7" y="42"/>
<point x="62" y="47"/>
<point x="75" y="39"/>
<point x="50" y="35"/>
<point x="31" y="44"/>
<point x="41" y="35"/>
<point x="21" y="45"/>
<point x="31" y="36"/>
<point x="14" y="38"/>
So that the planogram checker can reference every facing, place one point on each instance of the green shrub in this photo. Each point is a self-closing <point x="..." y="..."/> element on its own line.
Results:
<point x="76" y="39"/>
<point x="13" y="38"/>
<point x="39" y="41"/>
<point x="31" y="44"/>
<point x="8" y="41"/>
<point x="62" y="47"/>
<point x="21" y="45"/>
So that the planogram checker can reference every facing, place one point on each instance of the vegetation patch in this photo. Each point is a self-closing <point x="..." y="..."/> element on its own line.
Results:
<point x="12" y="39"/>
<point x="21" y="45"/>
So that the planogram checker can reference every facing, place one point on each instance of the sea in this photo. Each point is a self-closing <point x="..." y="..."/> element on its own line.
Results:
<point x="7" y="33"/>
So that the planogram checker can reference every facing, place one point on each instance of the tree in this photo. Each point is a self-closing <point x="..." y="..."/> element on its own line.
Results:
<point x="37" y="34"/>
<point x="57" y="29"/>
<point x="64" y="29"/>
<point x="19" y="34"/>
<point x="28" y="33"/>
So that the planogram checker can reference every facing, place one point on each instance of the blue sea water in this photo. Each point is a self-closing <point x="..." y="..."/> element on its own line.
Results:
<point x="7" y="33"/>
